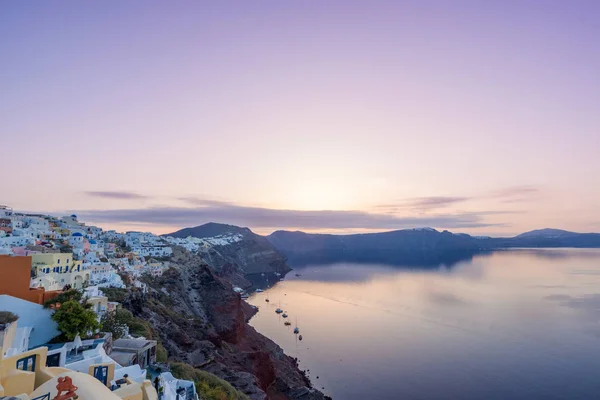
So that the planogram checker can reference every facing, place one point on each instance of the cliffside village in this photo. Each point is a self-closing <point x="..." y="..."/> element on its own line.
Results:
<point x="42" y="257"/>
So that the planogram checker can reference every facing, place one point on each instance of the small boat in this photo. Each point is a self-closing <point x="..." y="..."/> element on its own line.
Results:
<point x="300" y="337"/>
<point x="279" y="311"/>
<point x="296" y="330"/>
<point x="287" y="323"/>
<point x="259" y="290"/>
<point x="284" y="315"/>
<point x="267" y="300"/>
<point x="298" y="275"/>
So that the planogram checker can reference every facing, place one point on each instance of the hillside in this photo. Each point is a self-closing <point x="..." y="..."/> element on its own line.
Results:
<point x="414" y="246"/>
<point x="229" y="248"/>
<point x="202" y="322"/>
<point x="547" y="238"/>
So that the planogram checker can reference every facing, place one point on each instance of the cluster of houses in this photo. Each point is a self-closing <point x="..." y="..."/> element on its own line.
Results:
<point x="41" y="257"/>
<point x="65" y="252"/>
<point x="33" y="366"/>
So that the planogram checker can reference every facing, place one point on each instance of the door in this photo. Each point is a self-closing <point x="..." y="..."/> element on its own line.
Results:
<point x="101" y="373"/>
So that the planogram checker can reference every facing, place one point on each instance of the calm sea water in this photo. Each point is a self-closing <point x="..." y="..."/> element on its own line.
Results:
<point x="519" y="324"/>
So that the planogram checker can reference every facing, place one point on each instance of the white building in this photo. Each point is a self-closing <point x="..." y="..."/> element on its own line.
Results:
<point x="77" y="240"/>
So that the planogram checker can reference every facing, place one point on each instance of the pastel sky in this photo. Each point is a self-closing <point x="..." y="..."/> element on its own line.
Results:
<point x="334" y="116"/>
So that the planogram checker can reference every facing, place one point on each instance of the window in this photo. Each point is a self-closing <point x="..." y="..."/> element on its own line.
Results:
<point x="27" y="363"/>
<point x="53" y="360"/>
<point x="58" y="262"/>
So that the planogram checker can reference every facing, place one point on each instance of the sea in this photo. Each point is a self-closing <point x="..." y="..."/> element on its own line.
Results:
<point x="514" y="324"/>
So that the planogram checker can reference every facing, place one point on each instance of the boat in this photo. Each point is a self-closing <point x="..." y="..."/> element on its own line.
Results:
<point x="284" y="315"/>
<point x="267" y="299"/>
<point x="296" y="329"/>
<point x="259" y="290"/>
<point x="287" y="323"/>
<point x="298" y="275"/>
<point x="279" y="311"/>
<point x="300" y="337"/>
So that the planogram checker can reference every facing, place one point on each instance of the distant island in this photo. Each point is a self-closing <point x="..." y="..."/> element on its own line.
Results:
<point x="420" y="246"/>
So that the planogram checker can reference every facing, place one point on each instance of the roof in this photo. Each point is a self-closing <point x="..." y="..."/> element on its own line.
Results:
<point x="122" y="358"/>
<point x="77" y="234"/>
<point x="31" y="315"/>
<point x="132" y="343"/>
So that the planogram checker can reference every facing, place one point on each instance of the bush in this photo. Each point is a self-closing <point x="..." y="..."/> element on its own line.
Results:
<point x="139" y="327"/>
<point x="208" y="386"/>
<point x="71" y="294"/>
<point x="161" y="354"/>
<point x="115" y="294"/>
<point x="116" y="322"/>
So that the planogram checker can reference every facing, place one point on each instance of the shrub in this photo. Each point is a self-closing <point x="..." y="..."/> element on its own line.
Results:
<point x="161" y="353"/>
<point x="71" y="294"/>
<point x="116" y="322"/>
<point x="115" y="294"/>
<point x="208" y="386"/>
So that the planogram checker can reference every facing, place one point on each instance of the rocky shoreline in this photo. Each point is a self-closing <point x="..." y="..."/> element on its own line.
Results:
<point x="201" y="321"/>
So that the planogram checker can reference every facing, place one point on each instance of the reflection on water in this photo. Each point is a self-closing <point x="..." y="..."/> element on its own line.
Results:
<point x="522" y="324"/>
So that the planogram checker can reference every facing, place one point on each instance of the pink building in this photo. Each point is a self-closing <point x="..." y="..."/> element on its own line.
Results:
<point x="22" y="251"/>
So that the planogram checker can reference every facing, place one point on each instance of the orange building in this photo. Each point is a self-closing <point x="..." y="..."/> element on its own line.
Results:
<point x="15" y="278"/>
<point x="6" y="225"/>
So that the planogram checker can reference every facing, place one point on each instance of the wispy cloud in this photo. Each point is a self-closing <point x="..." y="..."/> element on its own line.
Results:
<point x="120" y="195"/>
<point x="426" y="204"/>
<point x="195" y="201"/>
<point x="433" y="202"/>
<point x="516" y="194"/>
<point x="256" y="217"/>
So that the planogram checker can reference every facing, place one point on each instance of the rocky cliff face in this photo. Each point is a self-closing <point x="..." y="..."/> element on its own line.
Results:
<point x="237" y="249"/>
<point x="202" y="322"/>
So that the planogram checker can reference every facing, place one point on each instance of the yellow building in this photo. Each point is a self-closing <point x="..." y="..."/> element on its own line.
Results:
<point x="59" y="267"/>
<point x="52" y="262"/>
<point x="26" y="375"/>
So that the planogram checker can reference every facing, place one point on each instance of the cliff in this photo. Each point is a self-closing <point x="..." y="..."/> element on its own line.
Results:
<point x="234" y="249"/>
<point x="408" y="247"/>
<point x="202" y="322"/>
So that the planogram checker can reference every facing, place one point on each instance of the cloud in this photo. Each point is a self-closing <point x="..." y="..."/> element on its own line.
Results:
<point x="511" y="194"/>
<point x="433" y="202"/>
<point x="116" y="195"/>
<point x="516" y="194"/>
<point x="195" y="201"/>
<point x="257" y="217"/>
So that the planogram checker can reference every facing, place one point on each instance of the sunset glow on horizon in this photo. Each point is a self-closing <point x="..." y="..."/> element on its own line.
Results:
<point x="341" y="116"/>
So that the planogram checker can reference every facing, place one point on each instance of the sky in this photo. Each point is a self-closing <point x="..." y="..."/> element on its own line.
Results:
<point x="322" y="116"/>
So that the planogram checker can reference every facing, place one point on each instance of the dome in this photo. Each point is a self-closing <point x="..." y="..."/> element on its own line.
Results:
<point x="93" y="242"/>
<point x="77" y="234"/>
<point x="74" y="216"/>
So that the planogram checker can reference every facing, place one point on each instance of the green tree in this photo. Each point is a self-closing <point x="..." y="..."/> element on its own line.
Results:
<point x="72" y="294"/>
<point x="117" y="322"/>
<point x="74" y="319"/>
